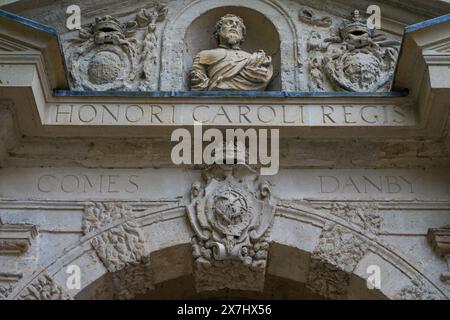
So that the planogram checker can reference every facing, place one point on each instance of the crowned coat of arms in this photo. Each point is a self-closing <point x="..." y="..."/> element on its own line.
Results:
<point x="231" y="216"/>
<point x="354" y="58"/>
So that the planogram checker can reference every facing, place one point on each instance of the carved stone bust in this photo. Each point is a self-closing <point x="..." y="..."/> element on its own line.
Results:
<point x="228" y="67"/>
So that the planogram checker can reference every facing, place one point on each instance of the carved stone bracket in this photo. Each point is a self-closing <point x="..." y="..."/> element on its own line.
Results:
<point x="231" y="217"/>
<point x="333" y="260"/>
<point x="439" y="239"/>
<point x="44" y="287"/>
<point x="15" y="239"/>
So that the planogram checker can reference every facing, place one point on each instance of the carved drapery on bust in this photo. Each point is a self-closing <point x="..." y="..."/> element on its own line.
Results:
<point x="123" y="55"/>
<point x="228" y="67"/>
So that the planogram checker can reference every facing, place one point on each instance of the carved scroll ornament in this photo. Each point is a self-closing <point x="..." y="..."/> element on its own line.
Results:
<point x="231" y="219"/>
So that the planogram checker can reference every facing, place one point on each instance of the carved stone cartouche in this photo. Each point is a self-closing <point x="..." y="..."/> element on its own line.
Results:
<point x="231" y="217"/>
<point x="353" y="58"/>
<point x="110" y="55"/>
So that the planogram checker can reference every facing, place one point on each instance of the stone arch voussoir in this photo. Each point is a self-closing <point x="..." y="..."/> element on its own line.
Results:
<point x="322" y="251"/>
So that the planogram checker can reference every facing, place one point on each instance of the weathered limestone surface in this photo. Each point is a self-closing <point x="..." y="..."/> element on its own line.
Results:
<point x="299" y="45"/>
<point x="104" y="196"/>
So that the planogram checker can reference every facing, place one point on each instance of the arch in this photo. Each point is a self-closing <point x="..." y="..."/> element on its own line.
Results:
<point x="172" y="75"/>
<point x="296" y="233"/>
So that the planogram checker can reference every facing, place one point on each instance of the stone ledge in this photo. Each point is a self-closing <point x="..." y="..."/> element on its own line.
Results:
<point x="421" y="113"/>
<point x="440" y="240"/>
<point x="15" y="239"/>
<point x="226" y="94"/>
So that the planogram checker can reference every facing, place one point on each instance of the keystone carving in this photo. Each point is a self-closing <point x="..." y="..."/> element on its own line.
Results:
<point x="352" y="58"/>
<point x="110" y="55"/>
<point x="231" y="217"/>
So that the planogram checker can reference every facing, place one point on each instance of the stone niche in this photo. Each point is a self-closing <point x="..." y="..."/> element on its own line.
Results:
<point x="189" y="29"/>
<point x="152" y="47"/>
<point x="261" y="34"/>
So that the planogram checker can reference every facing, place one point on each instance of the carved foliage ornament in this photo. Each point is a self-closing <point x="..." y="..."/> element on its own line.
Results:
<point x="110" y="55"/>
<point x="44" y="287"/>
<point x="417" y="290"/>
<point x="119" y="246"/>
<point x="7" y="283"/>
<point x="231" y="220"/>
<point x="352" y="58"/>
<point x="362" y="214"/>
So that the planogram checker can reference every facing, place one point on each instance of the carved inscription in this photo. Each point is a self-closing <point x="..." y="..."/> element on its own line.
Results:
<point x="360" y="184"/>
<point x="262" y="114"/>
<point x="85" y="183"/>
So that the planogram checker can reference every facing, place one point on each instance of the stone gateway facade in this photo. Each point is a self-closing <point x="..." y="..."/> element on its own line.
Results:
<point x="353" y="99"/>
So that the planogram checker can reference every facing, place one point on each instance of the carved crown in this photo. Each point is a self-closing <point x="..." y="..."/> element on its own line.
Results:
<point x="231" y="151"/>
<point x="107" y="24"/>
<point x="357" y="26"/>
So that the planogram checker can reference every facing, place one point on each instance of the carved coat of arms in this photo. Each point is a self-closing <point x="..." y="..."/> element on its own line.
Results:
<point x="231" y="218"/>
<point x="353" y="58"/>
<point x="110" y="55"/>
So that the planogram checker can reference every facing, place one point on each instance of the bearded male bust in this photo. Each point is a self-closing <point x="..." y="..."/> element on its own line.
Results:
<point x="228" y="67"/>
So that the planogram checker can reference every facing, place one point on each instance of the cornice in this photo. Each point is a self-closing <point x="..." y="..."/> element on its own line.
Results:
<point x="421" y="96"/>
<point x="15" y="239"/>
<point x="439" y="238"/>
